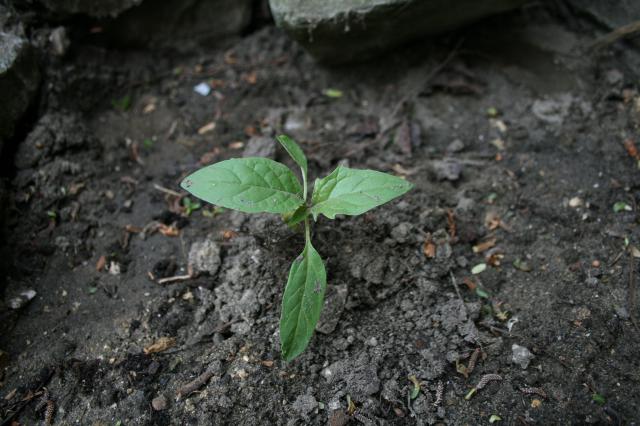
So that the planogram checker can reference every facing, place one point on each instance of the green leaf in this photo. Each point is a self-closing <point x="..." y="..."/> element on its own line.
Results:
<point x="598" y="399"/>
<point x="522" y="265"/>
<point x="294" y="151"/>
<point x="416" y="387"/>
<point x="293" y="218"/>
<point x="122" y="104"/>
<point x="302" y="302"/>
<point x="621" y="206"/>
<point x="479" y="268"/>
<point x="481" y="293"/>
<point x="332" y="93"/>
<point x="353" y="192"/>
<point x="251" y="185"/>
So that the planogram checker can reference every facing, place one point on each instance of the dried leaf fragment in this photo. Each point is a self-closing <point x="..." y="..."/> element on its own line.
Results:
<point x="101" y="263"/>
<point x="160" y="345"/>
<point x="429" y="249"/>
<point x="207" y="128"/>
<point x="484" y="246"/>
<point x="168" y="231"/>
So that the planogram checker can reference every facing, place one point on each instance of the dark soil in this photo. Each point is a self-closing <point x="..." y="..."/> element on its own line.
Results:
<point x="540" y="177"/>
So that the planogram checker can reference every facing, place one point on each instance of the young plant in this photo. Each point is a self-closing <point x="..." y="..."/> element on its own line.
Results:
<point x="255" y="184"/>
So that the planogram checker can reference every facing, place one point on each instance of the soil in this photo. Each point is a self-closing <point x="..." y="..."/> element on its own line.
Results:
<point x="509" y="133"/>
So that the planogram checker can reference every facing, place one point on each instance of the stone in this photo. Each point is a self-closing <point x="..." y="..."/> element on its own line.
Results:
<point x="159" y="403"/>
<point x="447" y="169"/>
<point x="260" y="146"/>
<point x="204" y="256"/>
<point x="350" y="30"/>
<point x="59" y="41"/>
<point x="455" y="146"/>
<point x="158" y="23"/>
<point x="304" y="405"/>
<point x="19" y="80"/>
<point x="521" y="356"/>
<point x="334" y="302"/>
<point x="610" y="13"/>
<point x="180" y="24"/>
<point x="553" y="110"/>
<point x="94" y="8"/>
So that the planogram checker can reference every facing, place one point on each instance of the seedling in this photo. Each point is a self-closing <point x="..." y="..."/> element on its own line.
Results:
<point x="190" y="206"/>
<point x="256" y="184"/>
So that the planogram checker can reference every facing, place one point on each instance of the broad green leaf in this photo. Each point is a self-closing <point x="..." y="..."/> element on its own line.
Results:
<point x="302" y="302"/>
<point x="352" y="192"/>
<point x="294" y="151"/>
<point x="250" y="185"/>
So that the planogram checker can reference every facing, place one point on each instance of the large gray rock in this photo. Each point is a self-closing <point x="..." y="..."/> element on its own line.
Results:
<point x="159" y="23"/>
<point x="611" y="13"/>
<point x="19" y="78"/>
<point x="95" y="8"/>
<point x="180" y="23"/>
<point x="345" y="30"/>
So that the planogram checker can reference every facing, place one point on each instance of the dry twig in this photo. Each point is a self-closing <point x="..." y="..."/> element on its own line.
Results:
<point x="615" y="35"/>
<point x="198" y="382"/>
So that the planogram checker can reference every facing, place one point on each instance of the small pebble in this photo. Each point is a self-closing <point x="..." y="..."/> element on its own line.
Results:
<point x="521" y="356"/>
<point x="202" y="89"/>
<point x="159" y="403"/>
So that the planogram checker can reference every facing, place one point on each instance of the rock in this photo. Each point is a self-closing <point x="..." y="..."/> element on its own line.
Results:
<point x="447" y="169"/>
<point x="359" y="375"/>
<point x="553" y="111"/>
<point x="59" y="41"/>
<point x="334" y="302"/>
<point x="260" y="146"/>
<point x="622" y="312"/>
<point x="304" y="405"/>
<point x="54" y="135"/>
<point x="94" y="8"/>
<point x="347" y="30"/>
<point x="179" y="24"/>
<point x="521" y="356"/>
<point x="4" y="359"/>
<point x="19" y="80"/>
<point x="204" y="256"/>
<point x="402" y="232"/>
<point x="159" y="403"/>
<point x="611" y="13"/>
<point x="22" y="299"/>
<point x="455" y="146"/>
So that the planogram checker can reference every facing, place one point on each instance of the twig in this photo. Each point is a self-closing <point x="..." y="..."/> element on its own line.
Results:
<point x="632" y="289"/>
<point x="167" y="190"/>
<point x="615" y="35"/>
<point x="483" y="382"/>
<point x="47" y="402"/>
<point x="473" y="360"/>
<point x="534" y="391"/>
<point x="439" y="393"/>
<point x="198" y="382"/>
<point x="455" y="285"/>
<point x="175" y="278"/>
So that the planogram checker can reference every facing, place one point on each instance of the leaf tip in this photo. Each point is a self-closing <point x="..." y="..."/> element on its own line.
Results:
<point x="186" y="183"/>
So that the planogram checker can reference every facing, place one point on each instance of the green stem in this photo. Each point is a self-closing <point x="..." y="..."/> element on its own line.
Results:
<point x="304" y="184"/>
<point x="307" y="230"/>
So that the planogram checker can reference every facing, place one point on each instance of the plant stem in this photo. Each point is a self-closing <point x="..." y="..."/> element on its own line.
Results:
<point x="304" y="184"/>
<point x="307" y="230"/>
